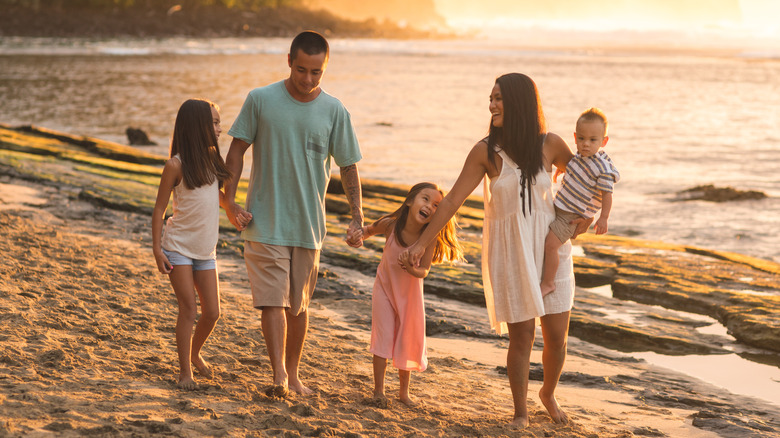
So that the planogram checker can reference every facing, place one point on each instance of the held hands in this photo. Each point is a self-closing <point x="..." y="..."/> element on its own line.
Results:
<point x="411" y="256"/>
<point x="403" y="261"/>
<point x="237" y="216"/>
<point x="355" y="234"/>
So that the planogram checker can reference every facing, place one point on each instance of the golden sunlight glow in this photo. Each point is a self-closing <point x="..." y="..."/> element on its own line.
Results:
<point x="754" y="17"/>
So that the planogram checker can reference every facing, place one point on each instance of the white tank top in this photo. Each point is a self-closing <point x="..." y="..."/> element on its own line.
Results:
<point x="193" y="229"/>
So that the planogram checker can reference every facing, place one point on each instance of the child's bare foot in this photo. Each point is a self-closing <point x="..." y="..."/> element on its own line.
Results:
<point x="555" y="411"/>
<point x="547" y="288"/>
<point x="203" y="368"/>
<point x="187" y="383"/>
<point x="408" y="401"/>
<point x="519" y="423"/>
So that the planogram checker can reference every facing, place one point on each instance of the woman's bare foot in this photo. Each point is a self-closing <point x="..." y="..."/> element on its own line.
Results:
<point x="555" y="411"/>
<point x="519" y="423"/>
<point x="187" y="383"/>
<point x="203" y="368"/>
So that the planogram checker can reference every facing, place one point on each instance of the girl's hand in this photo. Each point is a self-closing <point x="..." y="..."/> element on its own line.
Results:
<point x="403" y="260"/>
<point x="356" y="236"/>
<point x="243" y="217"/>
<point x="163" y="265"/>
<point x="237" y="216"/>
<point x="412" y="255"/>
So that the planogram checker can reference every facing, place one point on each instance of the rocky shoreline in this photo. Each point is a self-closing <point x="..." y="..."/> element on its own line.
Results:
<point x="740" y="292"/>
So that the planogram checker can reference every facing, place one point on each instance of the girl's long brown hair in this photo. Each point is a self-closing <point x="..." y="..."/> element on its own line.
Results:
<point x="447" y="248"/>
<point x="196" y="143"/>
<point x="523" y="131"/>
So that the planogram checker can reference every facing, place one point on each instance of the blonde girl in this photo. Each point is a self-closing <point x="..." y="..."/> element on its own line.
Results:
<point x="186" y="250"/>
<point x="398" y="311"/>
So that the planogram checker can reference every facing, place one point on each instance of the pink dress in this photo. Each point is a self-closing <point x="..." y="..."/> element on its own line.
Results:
<point x="398" y="313"/>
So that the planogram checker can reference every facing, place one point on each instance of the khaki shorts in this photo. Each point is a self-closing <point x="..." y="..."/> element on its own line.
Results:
<point x="281" y="276"/>
<point x="561" y="227"/>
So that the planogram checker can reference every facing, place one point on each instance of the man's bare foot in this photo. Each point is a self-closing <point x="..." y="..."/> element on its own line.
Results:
<point x="203" y="368"/>
<point x="187" y="383"/>
<point x="519" y="423"/>
<point x="555" y="411"/>
<point x="380" y="400"/>
<point x="299" y="388"/>
<point x="547" y="288"/>
<point x="277" y="391"/>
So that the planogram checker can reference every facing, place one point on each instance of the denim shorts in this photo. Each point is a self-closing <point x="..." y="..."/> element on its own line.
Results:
<point x="197" y="265"/>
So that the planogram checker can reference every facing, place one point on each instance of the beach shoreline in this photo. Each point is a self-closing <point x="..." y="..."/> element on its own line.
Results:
<point x="87" y="339"/>
<point x="88" y="349"/>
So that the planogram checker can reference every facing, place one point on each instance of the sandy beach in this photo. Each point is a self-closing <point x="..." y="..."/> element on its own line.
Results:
<point x="88" y="349"/>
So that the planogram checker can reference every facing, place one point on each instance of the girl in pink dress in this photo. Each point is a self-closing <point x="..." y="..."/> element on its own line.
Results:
<point x="398" y="311"/>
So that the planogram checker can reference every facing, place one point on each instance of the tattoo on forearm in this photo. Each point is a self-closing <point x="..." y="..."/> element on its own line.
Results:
<point x="350" y="180"/>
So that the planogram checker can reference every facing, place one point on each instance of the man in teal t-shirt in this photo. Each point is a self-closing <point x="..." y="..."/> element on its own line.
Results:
<point x="297" y="131"/>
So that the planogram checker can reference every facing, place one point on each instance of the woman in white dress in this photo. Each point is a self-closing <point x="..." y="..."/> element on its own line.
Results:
<point x="516" y="161"/>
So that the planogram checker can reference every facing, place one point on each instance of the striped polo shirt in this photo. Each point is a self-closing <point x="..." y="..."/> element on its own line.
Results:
<point x="583" y="182"/>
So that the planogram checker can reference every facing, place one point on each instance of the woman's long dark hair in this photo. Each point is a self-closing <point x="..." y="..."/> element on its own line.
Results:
<point x="196" y="143"/>
<point x="523" y="131"/>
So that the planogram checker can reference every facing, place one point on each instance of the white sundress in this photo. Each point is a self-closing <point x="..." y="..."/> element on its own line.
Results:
<point x="513" y="250"/>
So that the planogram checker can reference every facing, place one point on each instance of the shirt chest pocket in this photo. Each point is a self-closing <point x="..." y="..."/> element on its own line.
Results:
<point x="317" y="147"/>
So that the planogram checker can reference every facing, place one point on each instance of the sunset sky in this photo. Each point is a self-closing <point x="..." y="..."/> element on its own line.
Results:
<point x="749" y="18"/>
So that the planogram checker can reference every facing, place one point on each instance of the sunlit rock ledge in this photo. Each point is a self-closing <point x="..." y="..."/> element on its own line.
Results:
<point x="740" y="292"/>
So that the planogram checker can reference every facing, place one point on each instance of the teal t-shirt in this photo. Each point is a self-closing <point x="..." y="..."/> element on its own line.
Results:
<point x="293" y="144"/>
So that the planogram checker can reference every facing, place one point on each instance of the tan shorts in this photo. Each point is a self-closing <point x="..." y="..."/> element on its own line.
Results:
<point x="561" y="227"/>
<point x="281" y="276"/>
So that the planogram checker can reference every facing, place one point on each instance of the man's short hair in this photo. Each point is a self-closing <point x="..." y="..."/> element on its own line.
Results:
<point x="312" y="43"/>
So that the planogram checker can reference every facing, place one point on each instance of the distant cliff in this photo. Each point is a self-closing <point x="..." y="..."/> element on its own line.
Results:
<point x="157" y="20"/>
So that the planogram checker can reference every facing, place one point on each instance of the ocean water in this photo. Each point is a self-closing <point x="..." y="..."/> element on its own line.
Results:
<point x="677" y="119"/>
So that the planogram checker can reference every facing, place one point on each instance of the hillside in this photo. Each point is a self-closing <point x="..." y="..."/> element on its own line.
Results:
<point x="202" y="21"/>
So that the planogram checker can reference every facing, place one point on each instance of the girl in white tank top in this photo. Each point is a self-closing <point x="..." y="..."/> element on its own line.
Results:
<point x="186" y="251"/>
